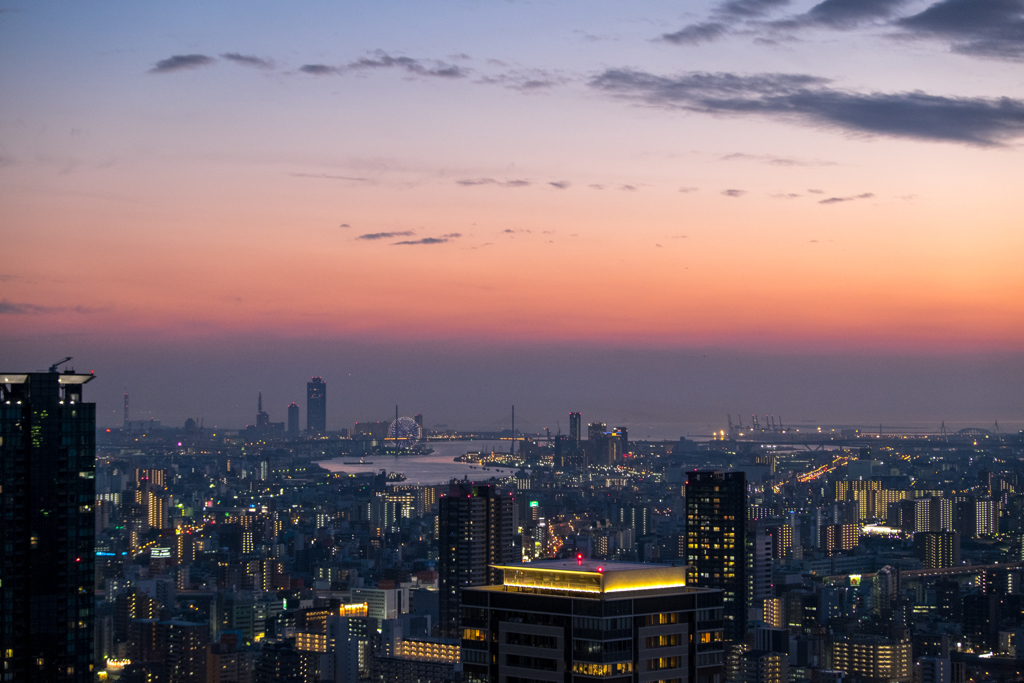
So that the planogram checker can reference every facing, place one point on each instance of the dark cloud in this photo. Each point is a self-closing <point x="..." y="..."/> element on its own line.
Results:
<point x="837" y="200"/>
<point x="560" y="184"/>
<point x="319" y="69"/>
<point x="509" y="230"/>
<point x="491" y="181"/>
<point x="628" y="188"/>
<point x="425" y="240"/>
<point x="12" y="308"/>
<point x="382" y="60"/>
<point x="248" y="60"/>
<point x="724" y="18"/>
<point x="179" y="62"/>
<point x="986" y="28"/>
<point x="697" y="33"/>
<point x="734" y="193"/>
<point x="385" y="235"/>
<point x="344" y="225"/>
<point x="915" y="115"/>
<point x="749" y="9"/>
<point x="843" y="14"/>
<point x="816" y="191"/>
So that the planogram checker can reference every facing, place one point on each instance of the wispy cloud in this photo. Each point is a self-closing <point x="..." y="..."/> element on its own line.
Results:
<point x="560" y="184"/>
<point x="330" y="176"/>
<point x="431" y="240"/>
<point x="838" y="200"/>
<point x="248" y="60"/>
<point x="773" y="160"/>
<point x="914" y="115"/>
<point x="12" y="308"/>
<point x="181" y="62"/>
<point x="469" y="182"/>
<point x="385" y="235"/>
<point x="734" y="193"/>
<point x="382" y="60"/>
<point x="723" y="19"/>
<point x="319" y="69"/>
<point x="697" y="33"/>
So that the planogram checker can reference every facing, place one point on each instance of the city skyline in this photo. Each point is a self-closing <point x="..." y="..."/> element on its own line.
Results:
<point x="650" y="213"/>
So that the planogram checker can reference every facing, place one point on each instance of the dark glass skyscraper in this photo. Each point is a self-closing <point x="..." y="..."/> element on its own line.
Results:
<point x="716" y="540"/>
<point x="47" y="467"/>
<point x="316" y="406"/>
<point x="575" y="428"/>
<point x="293" y="421"/>
<point x="475" y="532"/>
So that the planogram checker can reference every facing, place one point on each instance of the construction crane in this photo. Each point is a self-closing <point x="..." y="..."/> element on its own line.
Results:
<point x="53" y="368"/>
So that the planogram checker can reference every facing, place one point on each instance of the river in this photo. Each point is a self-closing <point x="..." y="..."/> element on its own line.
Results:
<point x="435" y="468"/>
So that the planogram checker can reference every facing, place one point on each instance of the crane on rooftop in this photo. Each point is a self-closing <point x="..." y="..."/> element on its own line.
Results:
<point x="55" y="366"/>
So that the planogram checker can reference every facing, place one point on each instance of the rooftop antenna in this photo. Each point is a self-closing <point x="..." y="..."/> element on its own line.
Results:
<point x="53" y="368"/>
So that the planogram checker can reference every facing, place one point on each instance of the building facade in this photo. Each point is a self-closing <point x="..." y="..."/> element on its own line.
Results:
<point x="584" y="620"/>
<point x="47" y="470"/>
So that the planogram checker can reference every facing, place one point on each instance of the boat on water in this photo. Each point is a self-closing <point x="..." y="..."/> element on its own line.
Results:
<point x="360" y="462"/>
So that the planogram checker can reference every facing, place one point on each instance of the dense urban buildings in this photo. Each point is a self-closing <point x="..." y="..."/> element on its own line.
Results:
<point x="47" y="466"/>
<point x="262" y="554"/>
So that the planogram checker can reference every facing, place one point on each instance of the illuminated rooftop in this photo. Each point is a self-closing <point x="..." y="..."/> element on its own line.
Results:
<point x="595" y="577"/>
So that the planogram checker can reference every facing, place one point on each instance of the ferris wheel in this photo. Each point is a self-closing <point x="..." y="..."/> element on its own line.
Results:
<point x="405" y="433"/>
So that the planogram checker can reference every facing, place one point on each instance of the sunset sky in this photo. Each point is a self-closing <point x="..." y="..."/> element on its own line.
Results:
<point x="657" y="212"/>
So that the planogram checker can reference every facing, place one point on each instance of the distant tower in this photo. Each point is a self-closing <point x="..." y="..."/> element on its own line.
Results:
<point x="293" y="420"/>
<point x="127" y="421"/>
<point x="262" y="418"/>
<point x="316" y="406"/>
<point x="575" y="428"/>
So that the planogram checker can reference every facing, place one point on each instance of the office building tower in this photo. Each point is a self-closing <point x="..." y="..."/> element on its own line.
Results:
<point x="580" y="619"/>
<point x="937" y="549"/>
<point x="716" y="540"/>
<point x="47" y="469"/>
<point x="293" y="420"/>
<point x="316" y="406"/>
<point x="575" y="427"/>
<point x="475" y="532"/>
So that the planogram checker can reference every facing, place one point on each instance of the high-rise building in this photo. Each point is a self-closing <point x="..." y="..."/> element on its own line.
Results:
<point x="575" y="427"/>
<point x="838" y="538"/>
<point x="562" y="620"/>
<point x="474" y="533"/>
<point x="937" y="549"/>
<point x="716" y="540"/>
<point x="47" y="469"/>
<point x="293" y="420"/>
<point x="316" y="406"/>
